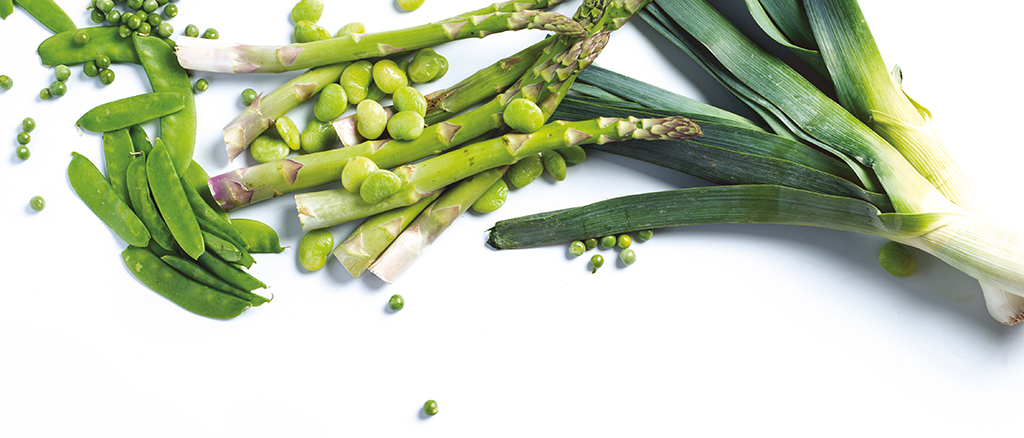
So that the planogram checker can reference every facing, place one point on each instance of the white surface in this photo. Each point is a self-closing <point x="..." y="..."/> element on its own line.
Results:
<point x="715" y="331"/>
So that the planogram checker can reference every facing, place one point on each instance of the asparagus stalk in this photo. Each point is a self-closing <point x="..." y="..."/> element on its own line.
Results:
<point x="332" y="207"/>
<point x="409" y="245"/>
<point x="217" y="56"/>
<point x="374" y="235"/>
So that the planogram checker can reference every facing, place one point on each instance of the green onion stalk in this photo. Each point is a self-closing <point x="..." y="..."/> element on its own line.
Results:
<point x="223" y="57"/>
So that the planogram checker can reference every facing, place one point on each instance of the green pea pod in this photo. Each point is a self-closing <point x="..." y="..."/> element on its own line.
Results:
<point x="123" y="113"/>
<point x="142" y="203"/>
<point x="103" y="41"/>
<point x="192" y="270"/>
<point x="172" y="202"/>
<point x="6" y="8"/>
<point x="178" y="130"/>
<point x="196" y="178"/>
<point x="140" y="140"/>
<point x="48" y="13"/>
<point x="95" y="191"/>
<point x="204" y="211"/>
<point x="259" y="237"/>
<point x="229" y="273"/>
<point x="117" y="152"/>
<point x="193" y="296"/>
<point x="222" y="248"/>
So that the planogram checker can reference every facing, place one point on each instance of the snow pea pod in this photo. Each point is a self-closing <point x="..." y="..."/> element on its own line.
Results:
<point x="177" y="130"/>
<point x="171" y="284"/>
<point x="117" y="152"/>
<point x="229" y="272"/>
<point x="123" y="113"/>
<point x="6" y="8"/>
<point x="142" y="203"/>
<point x="192" y="270"/>
<point x="243" y="257"/>
<point x="172" y="202"/>
<point x="222" y="248"/>
<point x="140" y="140"/>
<point x="95" y="191"/>
<point x="103" y="41"/>
<point x="204" y="211"/>
<point x="48" y="13"/>
<point x="259" y="237"/>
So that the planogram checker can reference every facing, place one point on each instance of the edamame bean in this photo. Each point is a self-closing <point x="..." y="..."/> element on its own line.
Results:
<point x="193" y="271"/>
<point x="107" y="77"/>
<point x="396" y="303"/>
<point x="314" y="248"/>
<point x="6" y="82"/>
<point x="524" y="171"/>
<point x="289" y="132"/>
<point x="317" y="136"/>
<point x="23" y="153"/>
<point x="192" y="31"/>
<point x="493" y="198"/>
<point x="37" y="203"/>
<point x="624" y="241"/>
<point x="351" y="28"/>
<point x="577" y="248"/>
<point x="96" y="193"/>
<point x="554" y="164"/>
<point x="573" y="154"/>
<point x="331" y="103"/>
<point x="142" y="203"/>
<point x="596" y="262"/>
<point x="388" y="76"/>
<point x="379" y="185"/>
<point x="410" y="5"/>
<point x="307" y="32"/>
<point x="171" y="11"/>
<point x="896" y="260"/>
<point x="424" y="66"/>
<point x="265" y="149"/>
<point x="248" y="95"/>
<point x="57" y="89"/>
<point x="627" y="256"/>
<point x="374" y="93"/>
<point x="259" y="237"/>
<point x="410" y="99"/>
<point x="171" y="200"/>
<point x="307" y="10"/>
<point x="355" y="172"/>
<point x="62" y="73"/>
<point x="28" y="124"/>
<point x="645" y="235"/>
<point x="523" y="115"/>
<point x="430" y="407"/>
<point x="24" y="138"/>
<point x="123" y="113"/>
<point x="189" y="294"/>
<point x="405" y="125"/>
<point x="356" y="79"/>
<point x="371" y="119"/>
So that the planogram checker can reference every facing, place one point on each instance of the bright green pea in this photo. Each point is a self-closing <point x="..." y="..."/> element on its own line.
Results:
<point x="6" y="82"/>
<point x="405" y="125"/>
<point x="28" y="124"/>
<point x="24" y="138"/>
<point x="37" y="203"/>
<point x="379" y="185"/>
<point x="371" y="119"/>
<point x="104" y="6"/>
<point x="125" y="16"/>
<point x="124" y="31"/>
<point x="248" y="95"/>
<point x="62" y="73"/>
<point x="82" y="37"/>
<point x="590" y="243"/>
<point x="896" y="260"/>
<point x="107" y="77"/>
<point x="554" y="164"/>
<point x="265" y="149"/>
<point x="577" y="248"/>
<point x="114" y="17"/>
<point x="524" y="171"/>
<point x="135" y="4"/>
<point x="103" y="62"/>
<point x="355" y="172"/>
<point x="645" y="235"/>
<point x="355" y="79"/>
<point x="627" y="256"/>
<point x="211" y="34"/>
<point x="91" y="69"/>
<point x="58" y="89"/>
<point x="202" y="85"/>
<point x="430" y="407"/>
<point x="154" y="19"/>
<point x="523" y="115"/>
<point x="165" y="30"/>
<point x="608" y="241"/>
<point x="144" y="28"/>
<point x="410" y="99"/>
<point x="44" y="94"/>
<point x="134" y="22"/>
<point x="493" y="198"/>
<point x="23" y="153"/>
<point x="624" y="241"/>
<point x="97" y="16"/>
<point x="307" y="10"/>
<point x="388" y="76"/>
<point x="150" y="6"/>
<point x="314" y="248"/>
<point x="289" y="132"/>
<point x="171" y="11"/>
<point x="596" y="262"/>
<point x="331" y="103"/>
<point x="396" y="303"/>
<point x="192" y="31"/>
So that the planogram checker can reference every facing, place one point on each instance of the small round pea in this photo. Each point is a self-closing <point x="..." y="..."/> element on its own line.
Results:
<point x="645" y="235"/>
<point x="97" y="16"/>
<point x="125" y="16"/>
<point x="379" y="185"/>
<point x="23" y="152"/>
<point x="37" y="203"/>
<point x="91" y="69"/>
<point x="624" y="241"/>
<point x="124" y="31"/>
<point x="82" y="37"/>
<point x="58" y="89"/>
<point x="430" y="407"/>
<point x="627" y="256"/>
<point x="107" y="77"/>
<point x="405" y="125"/>
<point x="314" y="248"/>
<point x="248" y="95"/>
<point x="388" y="76"/>
<point x="590" y="243"/>
<point x="371" y="119"/>
<point x="171" y="11"/>
<point x="896" y="260"/>
<point x="608" y="241"/>
<point x="150" y="6"/>
<point x="289" y="132"/>
<point x="134" y="22"/>
<point x="192" y="31"/>
<point x="596" y="262"/>
<point x="114" y="17"/>
<point x="165" y="30"/>
<point x="355" y="172"/>
<point x="44" y="94"/>
<point x="211" y="34"/>
<point x="331" y="103"/>
<point x="396" y="303"/>
<point x="154" y="19"/>
<point x="104" y="6"/>
<point x="24" y="138"/>
<point x="523" y="115"/>
<point x="62" y="73"/>
<point x="577" y="248"/>
<point x="409" y="99"/>
<point x="6" y="82"/>
<point x="135" y="4"/>
<point x="144" y="28"/>
<point x="28" y="124"/>
<point x="202" y="85"/>
<point x="103" y="62"/>
<point x="265" y="149"/>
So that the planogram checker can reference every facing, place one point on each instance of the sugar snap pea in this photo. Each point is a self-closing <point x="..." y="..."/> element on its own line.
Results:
<point x="259" y="237"/>
<point x="48" y="13"/>
<point x="95" y="191"/>
<point x="229" y="273"/>
<point x="142" y="203"/>
<point x="189" y="294"/>
<point x="103" y="41"/>
<point x="172" y="202"/>
<point x="192" y="270"/>
<point x="178" y="130"/>
<point x="117" y="152"/>
<point x="123" y="113"/>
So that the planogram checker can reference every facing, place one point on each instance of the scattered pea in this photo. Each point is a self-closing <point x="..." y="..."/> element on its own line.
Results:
<point x="590" y="243"/>
<point x="107" y="77"/>
<point x="133" y="21"/>
<point x="331" y="103"/>
<point x="144" y="28"/>
<point x="37" y="203"/>
<point x="405" y="125"/>
<point x="265" y="149"/>
<point x="104" y="5"/>
<point x="58" y="89"/>
<point x="28" y="124"/>
<point x="124" y="31"/>
<point x="596" y="262"/>
<point x="627" y="256"/>
<point x="523" y="115"/>
<point x="388" y="76"/>
<point x="44" y="94"/>
<point x="493" y="198"/>
<point x="82" y="37"/>
<point x="624" y="241"/>
<point x="23" y="153"/>
<point x="314" y="248"/>
<point x="289" y="132"/>
<point x="248" y="95"/>
<point x="102" y="62"/>
<point x="202" y="85"/>
<point x="91" y="69"/>
<point x="170" y="11"/>
<point x="135" y="4"/>
<point x="396" y="303"/>
<point x="162" y="2"/>
<point x="896" y="260"/>
<point x="191" y="31"/>
<point x="6" y="82"/>
<point x="211" y="34"/>
<point x="608" y="241"/>
<point x="24" y="138"/>
<point x="97" y="16"/>
<point x="154" y="19"/>
<point x="150" y="6"/>
<point x="430" y="407"/>
<point x="371" y="119"/>
<point x="645" y="235"/>
<point x="377" y="186"/>
<point x="165" y="30"/>
<point x="355" y="172"/>
<point x="409" y="99"/>
<point x="577" y="248"/>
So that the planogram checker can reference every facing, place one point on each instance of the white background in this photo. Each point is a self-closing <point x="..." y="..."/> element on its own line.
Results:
<point x="716" y="330"/>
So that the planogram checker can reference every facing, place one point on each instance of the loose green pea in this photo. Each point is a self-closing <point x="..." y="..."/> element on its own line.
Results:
<point x="627" y="256"/>
<point x="493" y="198"/>
<point x="134" y="22"/>
<point x="6" y="82"/>
<point x="388" y="76"/>
<point x="58" y="89"/>
<point x="396" y="303"/>
<point x="379" y="185"/>
<point x="645" y="235"/>
<point x="125" y="16"/>
<point x="624" y="241"/>
<point x="102" y="62"/>
<point x="265" y="149"/>
<point x="424" y="66"/>
<point x="430" y="407"/>
<point x="524" y="171"/>
<point x="554" y="164"/>
<point x="37" y="203"/>
<point x="355" y="172"/>
<point x="162" y="2"/>
<point x="314" y="248"/>
<point x="24" y="138"/>
<point x="405" y="125"/>
<point x="307" y="10"/>
<point x="82" y="37"/>
<point x="104" y="6"/>
<point x="573" y="154"/>
<point x="154" y="19"/>
<point x="410" y="5"/>
<point x="608" y="241"/>
<point x="355" y="79"/>
<point x="150" y="6"/>
<point x="371" y="119"/>
<point x="351" y="28"/>
<point x="577" y="248"/>
<point x="114" y="17"/>
<point x="165" y="30"/>
<point x="409" y="99"/>
<point x="192" y="31"/>
<point x="202" y="85"/>
<point x="44" y="94"/>
<point x="124" y="31"/>
<point x="62" y="73"/>
<point x="331" y="103"/>
<point x="248" y="95"/>
<point x="289" y="132"/>
<point x="591" y="243"/>
<point x="317" y="136"/>
<point x="97" y="16"/>
<point x="523" y="115"/>
<point x="107" y="77"/>
<point x="91" y="69"/>
<point x="135" y="4"/>
<point x="23" y="153"/>
<point x="170" y="11"/>
<point x="896" y="260"/>
<point x="596" y="262"/>
<point x="28" y="125"/>
<point x="211" y="34"/>
<point x="307" y="32"/>
<point x="144" y="28"/>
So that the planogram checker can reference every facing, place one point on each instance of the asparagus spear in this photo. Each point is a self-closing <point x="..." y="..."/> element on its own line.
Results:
<point x="217" y="56"/>
<point x="372" y="236"/>
<point x="332" y="207"/>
